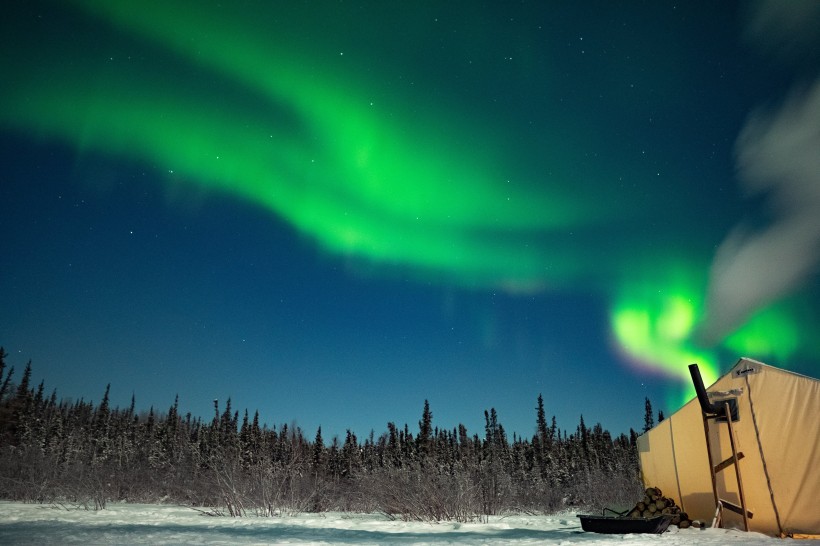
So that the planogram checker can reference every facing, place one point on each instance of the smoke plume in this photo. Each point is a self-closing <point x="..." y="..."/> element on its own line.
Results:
<point x="778" y="157"/>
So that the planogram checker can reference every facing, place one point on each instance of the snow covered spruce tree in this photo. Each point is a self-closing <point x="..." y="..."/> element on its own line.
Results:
<point x="87" y="454"/>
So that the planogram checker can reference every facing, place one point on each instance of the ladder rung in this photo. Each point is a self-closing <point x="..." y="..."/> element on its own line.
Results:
<point x="728" y="462"/>
<point x="735" y="508"/>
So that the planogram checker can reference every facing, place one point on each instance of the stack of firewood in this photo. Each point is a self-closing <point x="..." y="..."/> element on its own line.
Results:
<point x="654" y="503"/>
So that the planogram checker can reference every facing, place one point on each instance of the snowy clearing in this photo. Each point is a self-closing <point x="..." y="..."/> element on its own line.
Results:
<point x="162" y="524"/>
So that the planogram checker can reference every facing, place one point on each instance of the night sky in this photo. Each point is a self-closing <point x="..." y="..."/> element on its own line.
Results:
<point x="331" y="211"/>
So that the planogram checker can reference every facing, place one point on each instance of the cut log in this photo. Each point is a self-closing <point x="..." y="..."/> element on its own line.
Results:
<point x="654" y="503"/>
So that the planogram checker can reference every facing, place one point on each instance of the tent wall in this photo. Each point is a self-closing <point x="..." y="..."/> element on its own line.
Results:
<point x="673" y="457"/>
<point x="778" y="425"/>
<point x="787" y="412"/>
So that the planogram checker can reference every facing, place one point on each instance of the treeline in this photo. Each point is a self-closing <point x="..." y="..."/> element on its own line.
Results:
<point x="82" y="454"/>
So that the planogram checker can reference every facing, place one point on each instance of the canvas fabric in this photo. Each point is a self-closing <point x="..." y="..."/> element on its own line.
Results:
<point x="778" y="433"/>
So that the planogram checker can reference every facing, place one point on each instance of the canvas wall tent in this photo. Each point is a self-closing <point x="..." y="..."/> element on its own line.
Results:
<point x="778" y="432"/>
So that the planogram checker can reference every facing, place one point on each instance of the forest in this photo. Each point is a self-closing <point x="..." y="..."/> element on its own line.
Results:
<point x="83" y="455"/>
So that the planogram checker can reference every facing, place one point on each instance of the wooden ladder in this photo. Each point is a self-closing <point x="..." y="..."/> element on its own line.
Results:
<point x="734" y="460"/>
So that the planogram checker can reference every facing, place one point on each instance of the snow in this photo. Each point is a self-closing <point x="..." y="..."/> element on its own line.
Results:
<point x="164" y="524"/>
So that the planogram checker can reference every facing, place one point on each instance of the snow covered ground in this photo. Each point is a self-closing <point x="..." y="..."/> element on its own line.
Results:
<point x="162" y="524"/>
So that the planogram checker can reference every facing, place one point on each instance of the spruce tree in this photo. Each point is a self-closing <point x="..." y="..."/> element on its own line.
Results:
<point x="541" y="422"/>
<point x="648" y="420"/>
<point x="23" y="387"/>
<point x="350" y="455"/>
<point x="318" y="452"/>
<point x="425" y="440"/>
<point x="4" y="382"/>
<point x="583" y="434"/>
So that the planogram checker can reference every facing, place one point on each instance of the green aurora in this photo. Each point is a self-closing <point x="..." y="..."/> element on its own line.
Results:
<point x="326" y="160"/>
<point x="422" y="186"/>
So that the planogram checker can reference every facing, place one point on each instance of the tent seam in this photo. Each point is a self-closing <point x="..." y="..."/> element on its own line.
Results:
<point x="762" y="457"/>
<point x="675" y="464"/>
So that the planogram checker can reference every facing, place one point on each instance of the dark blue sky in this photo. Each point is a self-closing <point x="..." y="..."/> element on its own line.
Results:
<point x="333" y="212"/>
